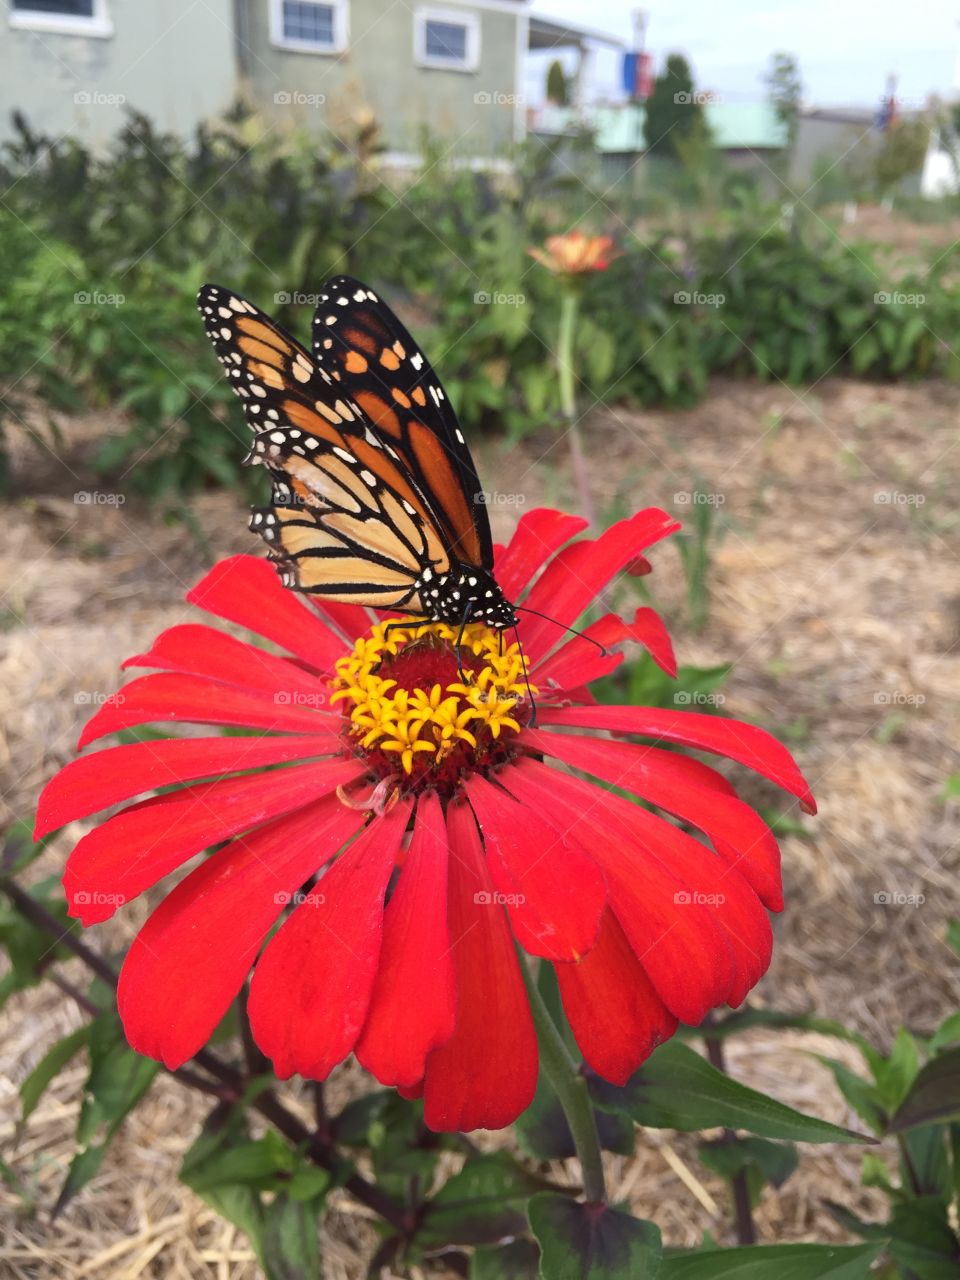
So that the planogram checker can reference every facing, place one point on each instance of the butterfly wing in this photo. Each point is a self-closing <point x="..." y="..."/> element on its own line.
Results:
<point x="347" y="520"/>
<point x="362" y="345"/>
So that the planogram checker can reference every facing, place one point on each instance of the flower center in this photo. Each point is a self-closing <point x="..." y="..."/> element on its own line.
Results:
<point x="412" y="715"/>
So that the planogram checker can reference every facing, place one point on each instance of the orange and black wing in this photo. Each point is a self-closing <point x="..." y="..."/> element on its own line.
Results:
<point x="363" y="347"/>
<point x="347" y="520"/>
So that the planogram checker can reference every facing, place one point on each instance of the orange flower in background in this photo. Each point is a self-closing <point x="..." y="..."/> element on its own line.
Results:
<point x="575" y="253"/>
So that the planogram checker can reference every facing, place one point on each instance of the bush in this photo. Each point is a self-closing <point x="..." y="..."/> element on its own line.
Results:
<point x="102" y="256"/>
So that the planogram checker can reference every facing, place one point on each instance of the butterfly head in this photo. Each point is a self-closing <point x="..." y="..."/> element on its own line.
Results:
<point x="465" y="592"/>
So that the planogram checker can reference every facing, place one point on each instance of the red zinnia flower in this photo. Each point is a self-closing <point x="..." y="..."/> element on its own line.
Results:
<point x="575" y="253"/>
<point x="402" y="950"/>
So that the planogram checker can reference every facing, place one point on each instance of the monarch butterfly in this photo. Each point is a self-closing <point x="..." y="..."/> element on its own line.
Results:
<point x="376" y="500"/>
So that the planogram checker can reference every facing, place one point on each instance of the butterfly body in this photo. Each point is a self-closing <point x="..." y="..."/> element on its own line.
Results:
<point x="376" y="500"/>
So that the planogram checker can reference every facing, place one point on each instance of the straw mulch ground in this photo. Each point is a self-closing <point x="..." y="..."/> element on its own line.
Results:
<point x="836" y="594"/>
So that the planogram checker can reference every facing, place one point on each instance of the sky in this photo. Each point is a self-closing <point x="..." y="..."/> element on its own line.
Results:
<point x="845" y="48"/>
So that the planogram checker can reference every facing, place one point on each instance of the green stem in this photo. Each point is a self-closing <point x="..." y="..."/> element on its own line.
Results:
<point x="568" y="397"/>
<point x="570" y="1087"/>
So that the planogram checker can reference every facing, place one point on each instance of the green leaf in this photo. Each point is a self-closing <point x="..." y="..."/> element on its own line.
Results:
<point x="291" y="1246"/>
<point x="592" y="1242"/>
<point x="518" y="1260"/>
<point x="19" y="849"/>
<point x="947" y="1033"/>
<point x="481" y="1204"/>
<point x="895" y="1074"/>
<point x="677" y="1089"/>
<point x="860" y="1093"/>
<point x="49" y="1066"/>
<point x="749" y="1019"/>
<point x="953" y="934"/>
<point x="774" y="1262"/>
<point x="543" y="1132"/>
<point x="760" y="1159"/>
<point x="934" y="1095"/>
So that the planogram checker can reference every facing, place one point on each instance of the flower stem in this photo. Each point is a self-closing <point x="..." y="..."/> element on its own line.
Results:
<point x="570" y="1087"/>
<point x="568" y="399"/>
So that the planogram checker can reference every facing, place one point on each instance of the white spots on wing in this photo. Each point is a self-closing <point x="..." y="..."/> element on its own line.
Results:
<point x="312" y="442"/>
<point x="301" y="368"/>
<point x="272" y="413"/>
<point x="237" y="304"/>
<point x="277" y="437"/>
<point x="344" y="410"/>
<point x="459" y="435"/>
<point x="436" y="398"/>
<point x="410" y="510"/>
<point x="330" y="320"/>
<point x="258" y="390"/>
<point x="225" y="333"/>
<point x="371" y="438"/>
<point x="368" y="478"/>
<point x="344" y="456"/>
<point x="360" y="295"/>
<point x="417" y="361"/>
<point x="294" y="433"/>
<point x="224" y="311"/>
<point x="343" y="302"/>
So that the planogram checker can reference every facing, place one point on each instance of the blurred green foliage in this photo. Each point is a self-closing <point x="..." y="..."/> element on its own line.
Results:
<point x="102" y="253"/>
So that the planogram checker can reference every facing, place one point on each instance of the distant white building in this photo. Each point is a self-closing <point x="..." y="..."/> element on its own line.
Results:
<point x="939" y="176"/>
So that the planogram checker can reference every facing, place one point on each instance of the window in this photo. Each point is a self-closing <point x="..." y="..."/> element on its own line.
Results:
<point x="448" y="38"/>
<point x="65" y="17"/>
<point x="308" y="26"/>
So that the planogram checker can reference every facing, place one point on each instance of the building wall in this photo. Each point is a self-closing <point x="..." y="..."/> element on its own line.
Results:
<point x="175" y="61"/>
<point x="475" y="113"/>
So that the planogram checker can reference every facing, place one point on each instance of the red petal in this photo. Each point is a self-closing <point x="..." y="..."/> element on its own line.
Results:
<point x="195" y="699"/>
<point x="133" y="850"/>
<point x="685" y="952"/>
<point x="413" y="1007"/>
<point x="95" y="782"/>
<point x="685" y="788"/>
<point x="537" y="537"/>
<point x="486" y="1073"/>
<point x="614" y="1011"/>
<point x="190" y="959"/>
<point x="579" y="661"/>
<point x="311" y="989"/>
<point x="751" y="746"/>
<point x="577" y="575"/>
<point x="194" y="649"/>
<point x="554" y="892"/>
<point x="350" y="620"/>
<point x="246" y="590"/>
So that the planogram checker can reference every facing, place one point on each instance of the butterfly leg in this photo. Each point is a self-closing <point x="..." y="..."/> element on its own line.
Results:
<point x="463" y="626"/>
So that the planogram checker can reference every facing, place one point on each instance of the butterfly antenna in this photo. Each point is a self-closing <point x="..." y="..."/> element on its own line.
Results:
<point x="521" y="608"/>
<point x="526" y="678"/>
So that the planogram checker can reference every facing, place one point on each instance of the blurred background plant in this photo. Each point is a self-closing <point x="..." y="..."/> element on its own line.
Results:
<point x="109" y="282"/>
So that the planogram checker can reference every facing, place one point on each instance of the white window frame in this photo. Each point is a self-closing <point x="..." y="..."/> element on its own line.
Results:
<point x="458" y="17"/>
<point x="64" y="24"/>
<point x="341" y="30"/>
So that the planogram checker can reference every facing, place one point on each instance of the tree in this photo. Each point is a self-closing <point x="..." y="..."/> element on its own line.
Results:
<point x="784" y="91"/>
<point x="674" y="111"/>
<point x="558" y="86"/>
<point x="901" y="154"/>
